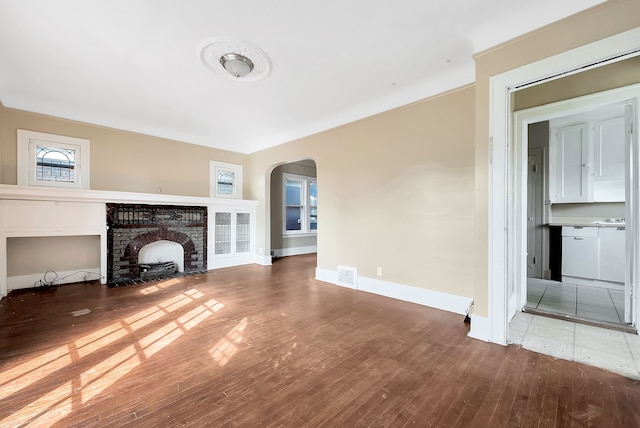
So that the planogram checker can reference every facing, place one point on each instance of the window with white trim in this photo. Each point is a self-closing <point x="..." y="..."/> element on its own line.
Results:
<point x="226" y="180"/>
<point x="52" y="160"/>
<point x="300" y="204"/>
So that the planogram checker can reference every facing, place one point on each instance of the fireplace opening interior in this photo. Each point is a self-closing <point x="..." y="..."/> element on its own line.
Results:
<point x="161" y="252"/>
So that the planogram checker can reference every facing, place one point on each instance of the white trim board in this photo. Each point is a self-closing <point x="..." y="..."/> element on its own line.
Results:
<point x="295" y="251"/>
<point x="263" y="260"/>
<point x="433" y="299"/>
<point x="480" y="328"/>
<point x="500" y="228"/>
<point x="224" y="261"/>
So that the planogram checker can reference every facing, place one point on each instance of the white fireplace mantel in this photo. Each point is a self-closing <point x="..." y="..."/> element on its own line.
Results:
<point x="12" y="192"/>
<point x="40" y="212"/>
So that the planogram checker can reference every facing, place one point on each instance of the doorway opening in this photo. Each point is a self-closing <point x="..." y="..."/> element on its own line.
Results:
<point x="294" y="209"/>
<point x="507" y="221"/>
<point x="579" y="180"/>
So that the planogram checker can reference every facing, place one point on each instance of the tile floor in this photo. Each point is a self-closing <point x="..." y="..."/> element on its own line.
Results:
<point x="611" y="350"/>
<point x="582" y="301"/>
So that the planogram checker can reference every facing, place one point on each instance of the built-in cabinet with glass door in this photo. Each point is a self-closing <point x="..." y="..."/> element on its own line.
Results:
<point x="232" y="233"/>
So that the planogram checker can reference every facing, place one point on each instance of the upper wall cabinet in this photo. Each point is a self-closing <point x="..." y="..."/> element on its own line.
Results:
<point x="570" y="164"/>
<point x="609" y="160"/>
<point x="587" y="159"/>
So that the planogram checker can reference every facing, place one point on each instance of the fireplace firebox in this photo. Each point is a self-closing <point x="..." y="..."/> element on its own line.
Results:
<point x="132" y="226"/>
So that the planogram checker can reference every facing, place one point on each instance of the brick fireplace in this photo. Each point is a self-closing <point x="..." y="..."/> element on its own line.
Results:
<point x="132" y="226"/>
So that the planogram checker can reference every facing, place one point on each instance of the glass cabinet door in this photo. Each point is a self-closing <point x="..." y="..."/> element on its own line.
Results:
<point x="223" y="233"/>
<point x="243" y="232"/>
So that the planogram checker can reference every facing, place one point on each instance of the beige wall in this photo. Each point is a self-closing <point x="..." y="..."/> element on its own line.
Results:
<point x="594" y="24"/>
<point x="395" y="191"/>
<point x="121" y="160"/>
<point x="594" y="210"/>
<point x="405" y="190"/>
<point x="306" y="168"/>
<point x="27" y="256"/>
<point x="616" y="75"/>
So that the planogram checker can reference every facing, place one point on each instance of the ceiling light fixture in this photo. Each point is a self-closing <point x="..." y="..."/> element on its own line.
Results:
<point x="239" y="61"/>
<point x="237" y="65"/>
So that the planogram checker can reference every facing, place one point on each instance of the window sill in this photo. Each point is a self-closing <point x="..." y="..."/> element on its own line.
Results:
<point x="299" y="235"/>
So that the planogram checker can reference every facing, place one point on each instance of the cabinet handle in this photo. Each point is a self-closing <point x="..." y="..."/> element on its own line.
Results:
<point x="578" y="227"/>
<point x="620" y="228"/>
<point x="578" y="238"/>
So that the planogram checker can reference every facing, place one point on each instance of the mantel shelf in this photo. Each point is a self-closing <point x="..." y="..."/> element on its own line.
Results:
<point x="13" y="192"/>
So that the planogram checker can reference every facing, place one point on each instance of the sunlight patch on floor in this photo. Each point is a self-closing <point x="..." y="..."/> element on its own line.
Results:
<point x="228" y="346"/>
<point x="57" y="403"/>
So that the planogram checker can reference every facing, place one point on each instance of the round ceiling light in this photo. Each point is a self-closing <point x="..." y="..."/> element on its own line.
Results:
<point x="239" y="61"/>
<point x="237" y="65"/>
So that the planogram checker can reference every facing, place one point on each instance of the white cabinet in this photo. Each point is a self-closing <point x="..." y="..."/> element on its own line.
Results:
<point x="231" y="234"/>
<point x="570" y="164"/>
<point x="612" y="254"/>
<point x="587" y="161"/>
<point x="609" y="160"/>
<point x="580" y="252"/>
<point x="593" y="255"/>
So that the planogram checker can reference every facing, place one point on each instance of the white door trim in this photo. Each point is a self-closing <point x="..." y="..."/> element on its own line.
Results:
<point x="501" y="227"/>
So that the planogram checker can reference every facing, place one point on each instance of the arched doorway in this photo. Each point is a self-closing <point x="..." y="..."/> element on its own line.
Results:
<point x="294" y="208"/>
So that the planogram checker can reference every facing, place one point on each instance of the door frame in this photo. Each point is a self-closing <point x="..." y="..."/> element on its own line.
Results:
<point x="540" y="153"/>
<point x="521" y="121"/>
<point x="503" y="245"/>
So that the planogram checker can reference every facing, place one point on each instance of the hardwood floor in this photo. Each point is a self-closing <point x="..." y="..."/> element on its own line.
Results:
<point x="270" y="346"/>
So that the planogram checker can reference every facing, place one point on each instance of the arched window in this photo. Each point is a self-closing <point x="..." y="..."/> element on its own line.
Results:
<point x="55" y="164"/>
<point x="226" y="180"/>
<point x="53" y="160"/>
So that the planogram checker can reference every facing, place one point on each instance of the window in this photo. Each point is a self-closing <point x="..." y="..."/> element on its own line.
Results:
<point x="300" y="205"/>
<point x="52" y="160"/>
<point x="226" y="180"/>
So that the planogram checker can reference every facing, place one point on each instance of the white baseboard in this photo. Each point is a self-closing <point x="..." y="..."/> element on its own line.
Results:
<point x="263" y="260"/>
<point x="218" y="262"/>
<point x="295" y="251"/>
<point x="63" y="277"/>
<point x="480" y="328"/>
<point x="330" y="276"/>
<point x="223" y="261"/>
<point x="434" y="299"/>
<point x="422" y="296"/>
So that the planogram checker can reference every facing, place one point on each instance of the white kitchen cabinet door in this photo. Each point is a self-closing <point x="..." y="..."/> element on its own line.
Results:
<point x="571" y="162"/>
<point x="609" y="160"/>
<point x="580" y="253"/>
<point x="612" y="254"/>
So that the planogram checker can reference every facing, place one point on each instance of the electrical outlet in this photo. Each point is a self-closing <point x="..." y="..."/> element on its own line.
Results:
<point x="379" y="271"/>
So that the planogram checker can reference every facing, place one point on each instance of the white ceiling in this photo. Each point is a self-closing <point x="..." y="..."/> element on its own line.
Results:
<point x="135" y="64"/>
